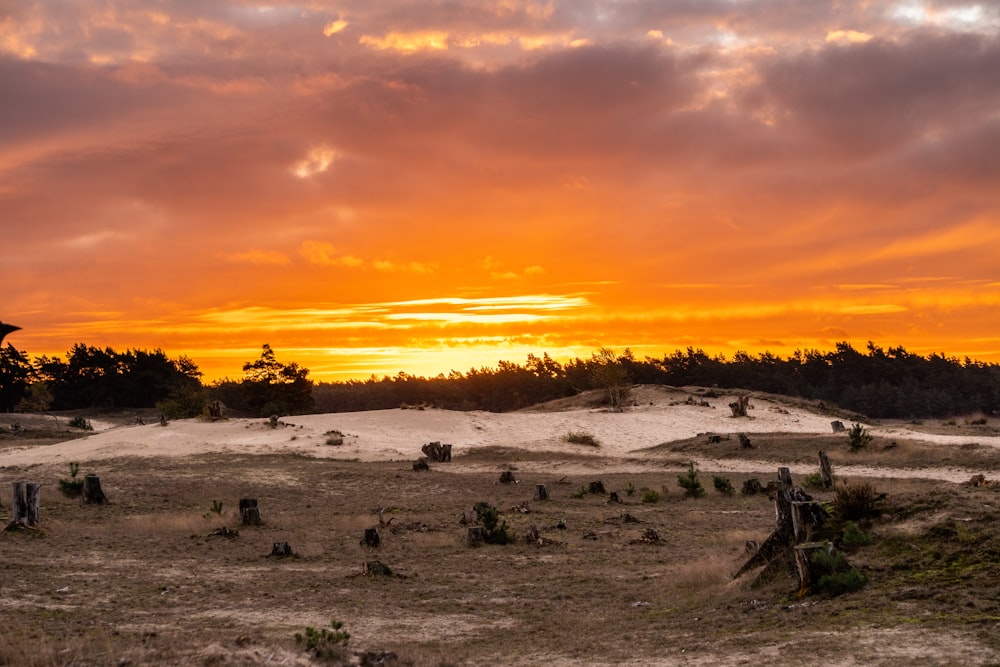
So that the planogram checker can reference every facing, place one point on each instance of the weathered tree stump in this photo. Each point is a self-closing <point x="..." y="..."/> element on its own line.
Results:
<point x="26" y="505"/>
<point x="375" y="568"/>
<point x="597" y="487"/>
<point x="751" y="487"/>
<point x="420" y="464"/>
<point x="281" y="550"/>
<point x="825" y="470"/>
<point x="807" y="516"/>
<point x="372" y="539"/>
<point x="614" y="498"/>
<point x="216" y="410"/>
<point x="803" y="562"/>
<point x="469" y="517"/>
<point x="740" y="406"/>
<point x="714" y="438"/>
<point x="163" y="419"/>
<point x="541" y="493"/>
<point x="92" y="493"/>
<point x="507" y="477"/>
<point x="476" y="537"/>
<point x="249" y="512"/>
<point x="436" y="451"/>
<point x="272" y="421"/>
<point x="744" y="441"/>
<point x="838" y="426"/>
<point x="533" y="536"/>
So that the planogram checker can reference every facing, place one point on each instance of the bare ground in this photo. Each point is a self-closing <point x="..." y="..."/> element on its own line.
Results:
<point x="142" y="581"/>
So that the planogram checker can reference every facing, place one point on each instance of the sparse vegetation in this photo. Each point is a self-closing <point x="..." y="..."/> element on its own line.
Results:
<point x="81" y="423"/>
<point x="723" y="485"/>
<point x="650" y="496"/>
<point x="858" y="437"/>
<point x="581" y="438"/>
<point x="325" y="644"/>
<point x="855" y="502"/>
<point x="72" y="487"/>
<point x="836" y="575"/>
<point x="690" y="483"/>
<point x="630" y="489"/>
<point x="813" y="480"/>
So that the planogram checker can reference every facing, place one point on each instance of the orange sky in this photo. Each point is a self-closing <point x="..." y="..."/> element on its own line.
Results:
<point x="421" y="187"/>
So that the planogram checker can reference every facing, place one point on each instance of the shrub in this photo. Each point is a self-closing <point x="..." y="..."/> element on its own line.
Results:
<point x="581" y="438"/>
<point x="853" y="537"/>
<point x="325" y="644"/>
<point x="855" y="502"/>
<point x="630" y="489"/>
<point x="72" y="487"/>
<point x="689" y="482"/>
<point x="813" y="481"/>
<point x="650" y="496"/>
<point x="858" y="437"/>
<point x="80" y="423"/>
<point x="495" y="532"/>
<point x="723" y="485"/>
<point x="836" y="575"/>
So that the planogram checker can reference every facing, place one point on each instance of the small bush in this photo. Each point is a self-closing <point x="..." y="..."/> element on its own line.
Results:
<point x="325" y="644"/>
<point x="495" y="532"/>
<point x="80" y="423"/>
<point x="856" y="502"/>
<point x="836" y="575"/>
<point x="630" y="489"/>
<point x="581" y="438"/>
<point x="650" y="496"/>
<point x="858" y="437"/>
<point x="580" y="493"/>
<point x="217" y="506"/>
<point x="723" y="485"/>
<point x="689" y="482"/>
<point x="72" y="487"/>
<point x="853" y="537"/>
<point x="813" y="481"/>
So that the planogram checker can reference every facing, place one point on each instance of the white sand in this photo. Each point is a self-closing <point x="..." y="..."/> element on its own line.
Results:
<point x="399" y="434"/>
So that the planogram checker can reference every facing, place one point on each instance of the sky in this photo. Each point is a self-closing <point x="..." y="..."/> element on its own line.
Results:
<point x="381" y="186"/>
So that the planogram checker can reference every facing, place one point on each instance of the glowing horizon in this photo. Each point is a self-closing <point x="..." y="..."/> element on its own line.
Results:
<point x="372" y="190"/>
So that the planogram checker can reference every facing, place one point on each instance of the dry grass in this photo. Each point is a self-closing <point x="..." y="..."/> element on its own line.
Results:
<point x="141" y="580"/>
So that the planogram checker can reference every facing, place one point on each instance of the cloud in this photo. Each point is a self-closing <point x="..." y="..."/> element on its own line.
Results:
<point x="317" y="161"/>
<point x="259" y="257"/>
<point x="325" y="254"/>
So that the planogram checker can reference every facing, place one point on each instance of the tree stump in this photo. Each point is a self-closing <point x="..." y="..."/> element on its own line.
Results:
<point x="533" y="536"/>
<point x="249" y="512"/>
<point x="272" y="421"/>
<point x="435" y="451"/>
<point x="92" y="493"/>
<point x="614" y="498"/>
<point x="215" y="410"/>
<point x="740" y="405"/>
<point x="507" y="477"/>
<point x="469" y="517"/>
<point x="25" y="505"/>
<point x="803" y="562"/>
<point x="541" y="493"/>
<point x="476" y="537"/>
<point x="838" y="426"/>
<point x="744" y="441"/>
<point x="751" y="487"/>
<point x="597" y="487"/>
<point x="825" y="470"/>
<point x="375" y="568"/>
<point x="420" y="464"/>
<point x="371" y="539"/>
<point x="281" y="550"/>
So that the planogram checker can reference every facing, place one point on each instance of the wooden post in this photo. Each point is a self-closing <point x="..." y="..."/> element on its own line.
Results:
<point x="249" y="512"/>
<point x="541" y="493"/>
<point x="371" y="538"/>
<point x="92" y="493"/>
<point x="825" y="470"/>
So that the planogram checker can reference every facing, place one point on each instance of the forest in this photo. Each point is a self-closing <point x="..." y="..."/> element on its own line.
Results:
<point x="876" y="382"/>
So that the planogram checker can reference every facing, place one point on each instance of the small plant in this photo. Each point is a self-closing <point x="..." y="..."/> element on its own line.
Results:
<point x="580" y="493"/>
<point x="855" y="502"/>
<point x="853" y="537"/>
<point x="650" y="496"/>
<point x="495" y="532"/>
<point x="689" y="482"/>
<point x="81" y="423"/>
<point x="723" y="485"/>
<point x="325" y="644"/>
<point x="581" y="438"/>
<point x="217" y="506"/>
<point x="813" y="481"/>
<point x="836" y="575"/>
<point x="72" y="487"/>
<point x="858" y="437"/>
<point x="630" y="489"/>
<point x="334" y="438"/>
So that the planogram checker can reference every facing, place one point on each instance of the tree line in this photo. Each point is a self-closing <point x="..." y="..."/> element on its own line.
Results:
<point x="875" y="382"/>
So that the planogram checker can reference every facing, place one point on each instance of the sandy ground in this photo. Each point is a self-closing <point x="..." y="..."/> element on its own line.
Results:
<point x="659" y="415"/>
